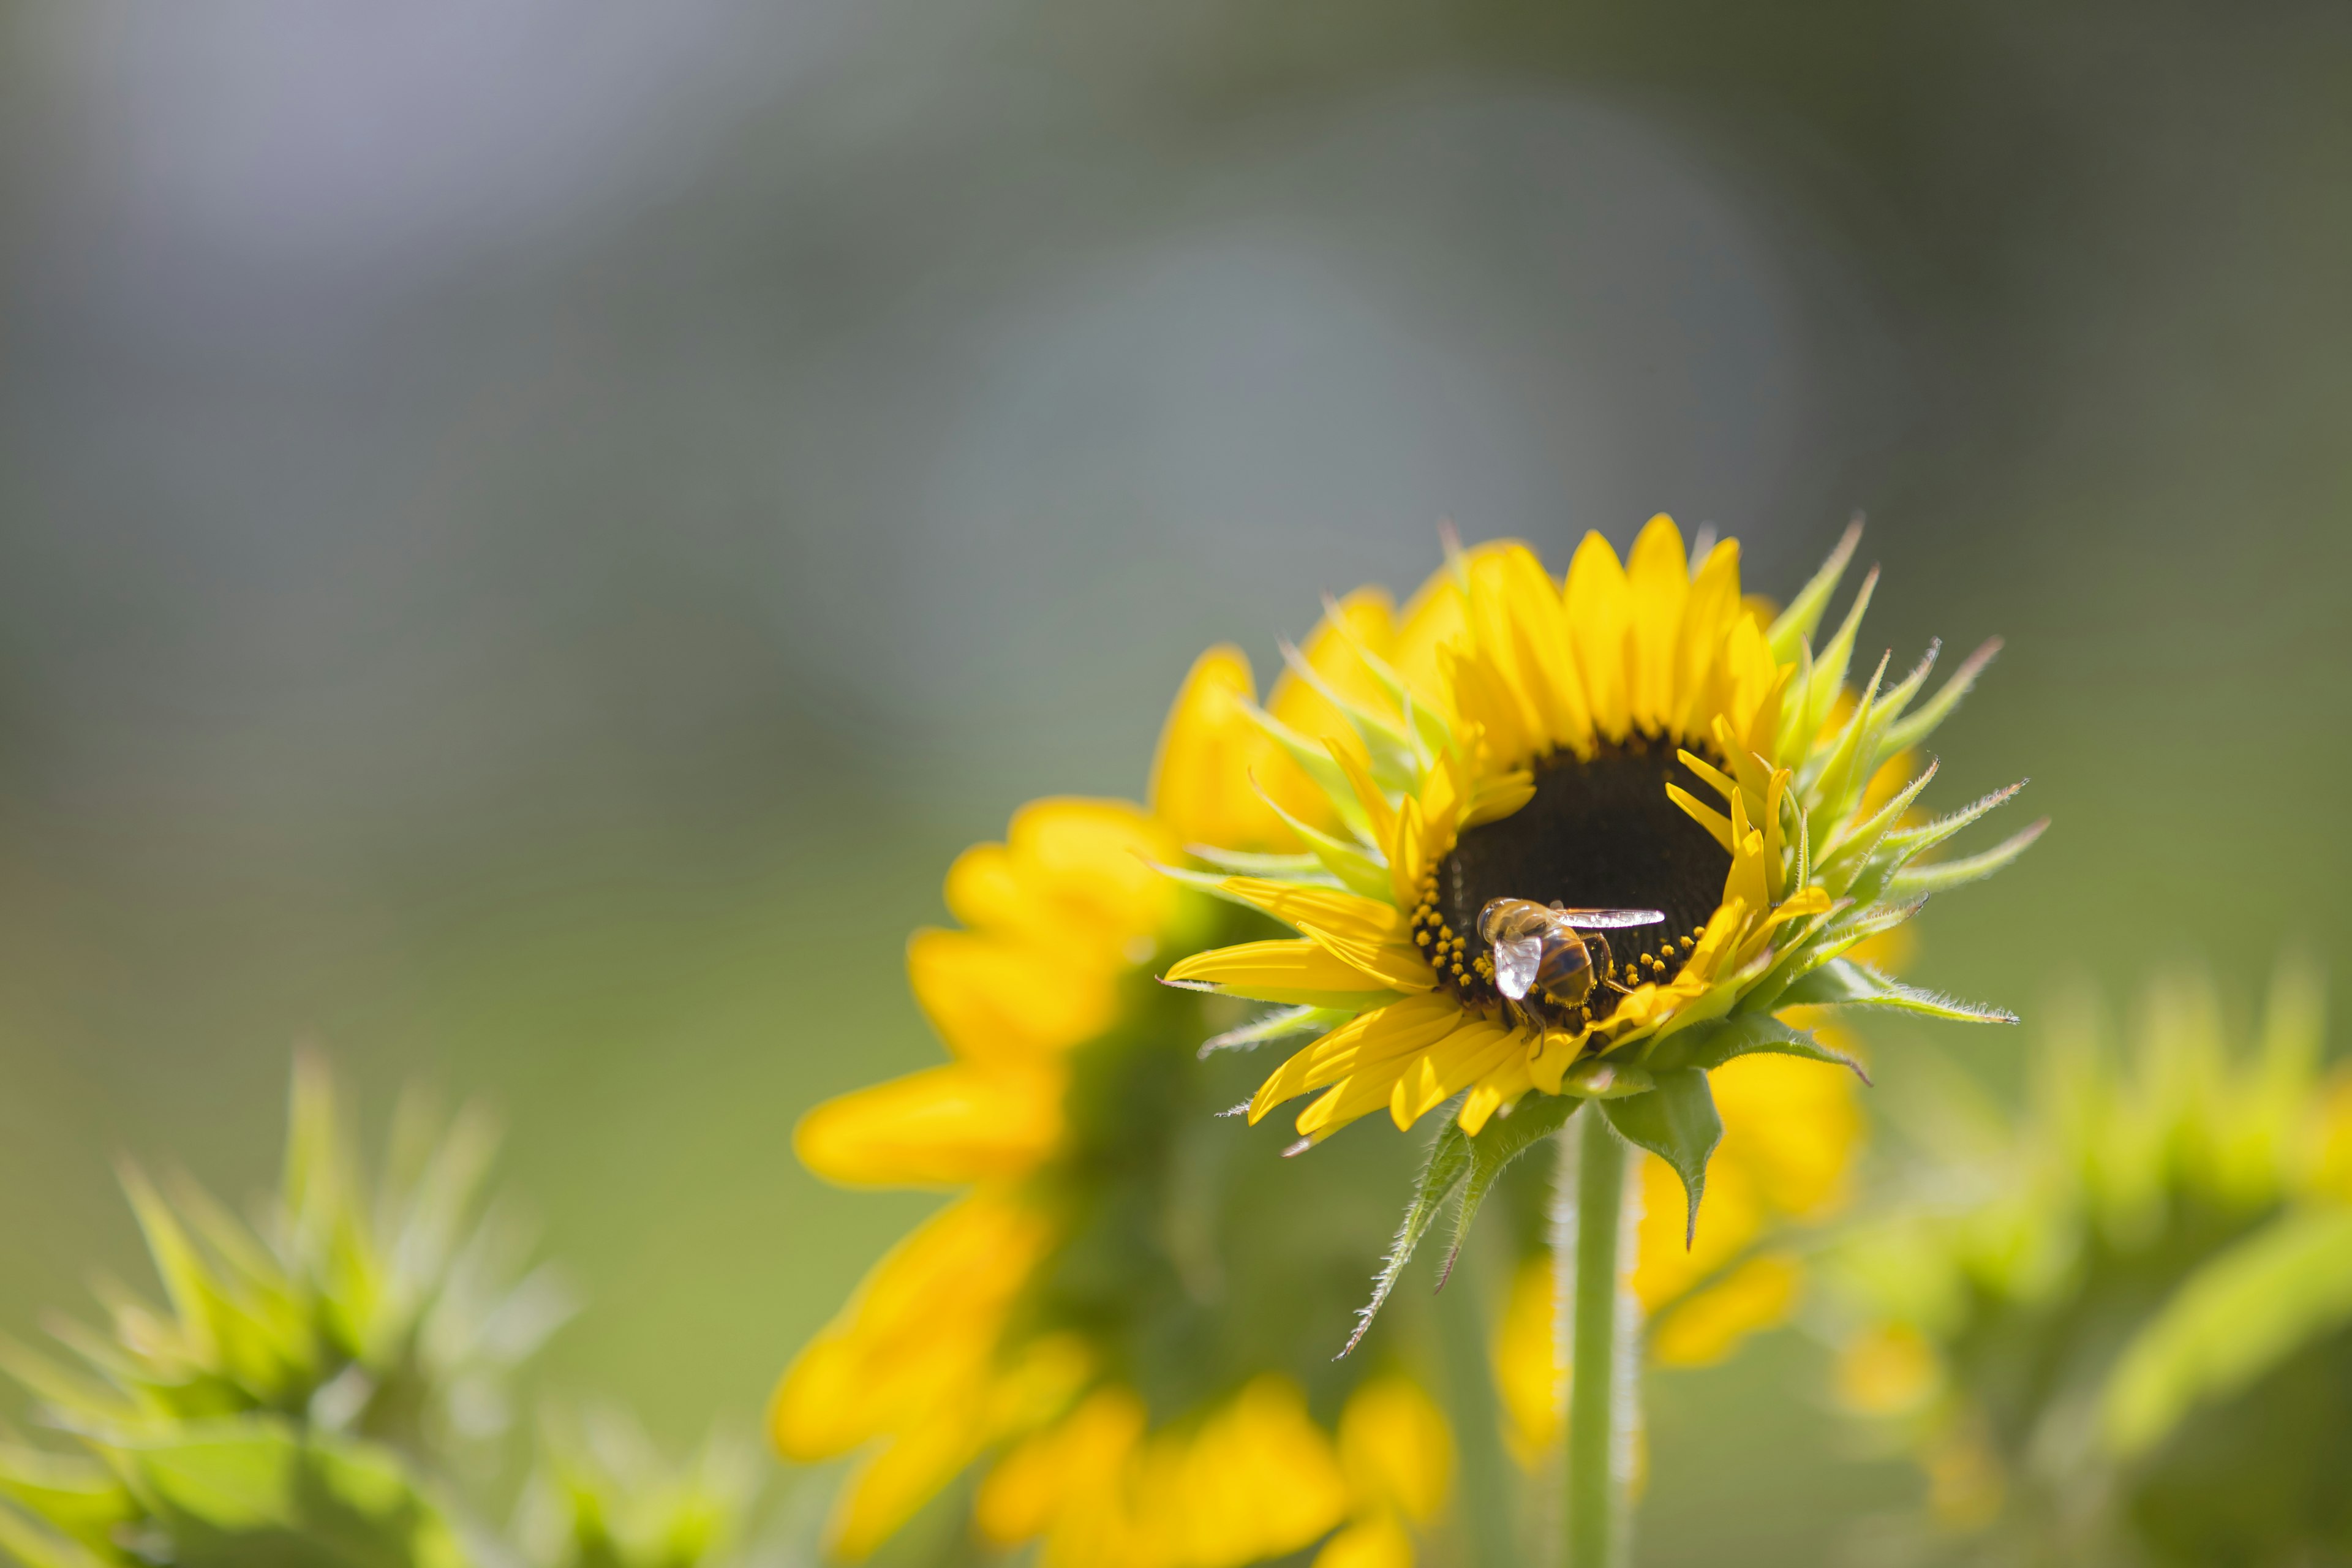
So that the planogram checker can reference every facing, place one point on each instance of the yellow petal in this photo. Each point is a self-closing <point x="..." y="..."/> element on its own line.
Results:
<point x="1326" y="909"/>
<point x="996" y="1000"/>
<point x="1381" y="1035"/>
<point x="941" y="1127"/>
<point x="1074" y="874"/>
<point x="1599" y="610"/>
<point x="1435" y="618"/>
<point x="1657" y="576"/>
<point x="1498" y="1088"/>
<point x="1301" y="972"/>
<point x="1703" y="681"/>
<point x="1449" y="1067"/>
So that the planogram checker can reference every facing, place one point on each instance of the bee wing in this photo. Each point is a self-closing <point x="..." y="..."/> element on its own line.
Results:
<point x="1612" y="920"/>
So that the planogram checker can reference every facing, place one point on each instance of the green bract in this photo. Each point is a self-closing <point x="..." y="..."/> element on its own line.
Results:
<point x="2124" y="1333"/>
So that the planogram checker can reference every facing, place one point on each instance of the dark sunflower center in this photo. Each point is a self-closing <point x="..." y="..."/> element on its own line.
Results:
<point x="1600" y="833"/>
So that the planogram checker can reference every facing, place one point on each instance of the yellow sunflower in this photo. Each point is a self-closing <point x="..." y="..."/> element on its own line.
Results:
<point x="1639" y="739"/>
<point x="1056" y="1326"/>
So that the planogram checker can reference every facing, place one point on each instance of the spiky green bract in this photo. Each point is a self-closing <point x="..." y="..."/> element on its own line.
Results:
<point x="319" y="1389"/>
<point x="604" y="1497"/>
<point x="2129" y="1340"/>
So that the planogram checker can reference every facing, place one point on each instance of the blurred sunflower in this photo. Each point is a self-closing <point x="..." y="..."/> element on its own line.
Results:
<point x="1069" y="1323"/>
<point x="2121" y="1332"/>
<point x="1512" y="739"/>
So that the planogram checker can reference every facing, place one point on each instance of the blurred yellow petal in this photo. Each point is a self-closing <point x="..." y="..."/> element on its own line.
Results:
<point x="1368" y="622"/>
<point x="995" y="1000"/>
<point x="885" y="1492"/>
<point x="1888" y="1370"/>
<point x="1530" y="1364"/>
<point x="941" y="1127"/>
<point x="1026" y="1492"/>
<point x="1396" y="1449"/>
<point x="1210" y="750"/>
<point x="1704" y="1329"/>
<point x="1376" y="1543"/>
<point x="890" y="1356"/>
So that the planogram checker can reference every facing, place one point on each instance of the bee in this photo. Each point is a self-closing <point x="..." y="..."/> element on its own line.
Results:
<point x="1540" y="951"/>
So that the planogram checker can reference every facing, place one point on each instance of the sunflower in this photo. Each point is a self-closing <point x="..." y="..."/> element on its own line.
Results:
<point x="1640" y="739"/>
<point x="2117" y="1328"/>
<point x="1073" y="1326"/>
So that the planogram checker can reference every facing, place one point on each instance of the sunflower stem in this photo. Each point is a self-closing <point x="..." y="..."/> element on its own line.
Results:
<point x="1602" y="1386"/>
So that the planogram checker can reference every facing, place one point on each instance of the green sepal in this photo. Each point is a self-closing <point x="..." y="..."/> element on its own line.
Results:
<point x="1843" y="982"/>
<point x="1500" y="1141"/>
<point x="1357" y="871"/>
<point x="1850" y="851"/>
<point x="37" y="1546"/>
<point x="1280" y="1023"/>
<point x="1747" y="1035"/>
<point x="1677" y="1122"/>
<point x="1448" y="1163"/>
<point x="1249" y="863"/>
<point x="1455" y="1161"/>
<point x="1910" y="731"/>
<point x="1827" y="677"/>
<point x="233" y="1494"/>
<point x="1395" y="759"/>
<point x="1316" y="762"/>
<point x="2238" y="1316"/>
<point x="1939" y="875"/>
<point x="1795" y="625"/>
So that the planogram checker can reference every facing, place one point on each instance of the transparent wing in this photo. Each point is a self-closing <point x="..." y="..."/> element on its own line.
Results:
<point x="1612" y="920"/>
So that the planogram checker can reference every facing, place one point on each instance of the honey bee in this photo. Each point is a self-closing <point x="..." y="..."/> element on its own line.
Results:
<point x="1540" y="951"/>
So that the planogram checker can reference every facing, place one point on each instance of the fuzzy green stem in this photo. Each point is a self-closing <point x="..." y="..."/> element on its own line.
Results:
<point x="1596" y="1510"/>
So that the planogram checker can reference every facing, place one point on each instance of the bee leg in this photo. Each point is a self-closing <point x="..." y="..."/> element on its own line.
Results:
<point x="1608" y="964"/>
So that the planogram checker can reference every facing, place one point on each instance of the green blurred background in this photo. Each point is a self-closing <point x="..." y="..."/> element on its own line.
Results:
<point x="531" y="530"/>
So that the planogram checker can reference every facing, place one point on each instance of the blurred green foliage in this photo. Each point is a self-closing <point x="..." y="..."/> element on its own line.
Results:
<point x="2121" y="1333"/>
<point x="324" y="1385"/>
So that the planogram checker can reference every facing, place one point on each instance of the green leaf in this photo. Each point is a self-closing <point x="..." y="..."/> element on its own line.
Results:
<point x="1448" y="1163"/>
<point x="2240" y="1315"/>
<point x="1709" y="1046"/>
<point x="1677" y="1122"/>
